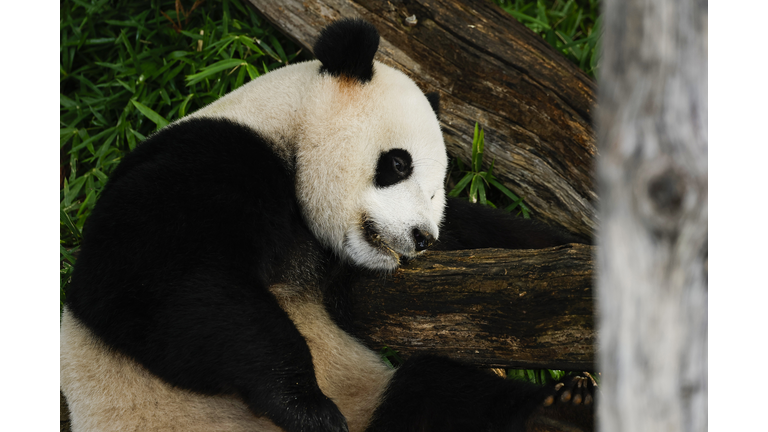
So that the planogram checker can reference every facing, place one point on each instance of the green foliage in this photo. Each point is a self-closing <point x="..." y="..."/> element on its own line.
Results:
<point x="391" y="357"/>
<point x="130" y="67"/>
<point x="479" y="181"/>
<point x="572" y="27"/>
<point x="537" y="376"/>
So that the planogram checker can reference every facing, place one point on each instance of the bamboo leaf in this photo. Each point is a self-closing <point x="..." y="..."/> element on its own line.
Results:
<point x="240" y="78"/>
<point x="156" y="118"/>
<point x="130" y="138"/>
<point x="278" y="48"/>
<point x="87" y="142"/>
<point x="67" y="102"/>
<point x="66" y="255"/>
<point x="64" y="218"/>
<point x="512" y="206"/>
<point x="100" y="175"/>
<point x="213" y="69"/>
<point x="269" y="52"/>
<point x="525" y="210"/>
<point x="138" y="135"/>
<point x="503" y="189"/>
<point x="183" y="108"/>
<point x="74" y="190"/>
<point x="194" y="36"/>
<point x="461" y="185"/>
<point x="473" y="189"/>
<point x="253" y="73"/>
<point x="525" y="18"/>
<point x="247" y="42"/>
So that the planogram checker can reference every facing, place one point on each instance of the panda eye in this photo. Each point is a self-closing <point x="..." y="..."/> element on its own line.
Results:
<point x="393" y="167"/>
<point x="398" y="164"/>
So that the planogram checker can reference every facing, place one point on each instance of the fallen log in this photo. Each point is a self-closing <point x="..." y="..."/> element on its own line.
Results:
<point x="535" y="106"/>
<point x="488" y="307"/>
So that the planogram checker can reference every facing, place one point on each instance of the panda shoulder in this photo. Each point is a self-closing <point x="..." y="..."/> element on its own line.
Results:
<point x="216" y="146"/>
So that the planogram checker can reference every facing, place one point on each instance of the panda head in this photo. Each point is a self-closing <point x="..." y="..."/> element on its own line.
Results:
<point x="370" y="159"/>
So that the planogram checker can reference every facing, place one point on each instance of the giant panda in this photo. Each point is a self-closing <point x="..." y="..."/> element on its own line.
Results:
<point x="208" y="294"/>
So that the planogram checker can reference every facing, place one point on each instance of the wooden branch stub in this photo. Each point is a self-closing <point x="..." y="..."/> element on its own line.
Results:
<point x="488" y="307"/>
<point x="535" y="106"/>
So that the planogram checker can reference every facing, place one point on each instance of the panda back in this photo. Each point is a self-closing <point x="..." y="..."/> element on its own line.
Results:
<point x="201" y="194"/>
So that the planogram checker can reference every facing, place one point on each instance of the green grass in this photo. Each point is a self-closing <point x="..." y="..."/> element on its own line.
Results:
<point x="128" y="68"/>
<point x="479" y="183"/>
<point x="572" y="27"/>
<point x="538" y="376"/>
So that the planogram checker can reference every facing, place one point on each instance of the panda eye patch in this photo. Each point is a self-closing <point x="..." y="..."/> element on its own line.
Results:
<point x="394" y="166"/>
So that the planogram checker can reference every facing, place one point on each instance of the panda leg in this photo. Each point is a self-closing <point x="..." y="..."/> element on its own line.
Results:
<point x="474" y="226"/>
<point x="346" y="370"/>
<point x="430" y="393"/>
<point x="109" y="392"/>
<point x="233" y="339"/>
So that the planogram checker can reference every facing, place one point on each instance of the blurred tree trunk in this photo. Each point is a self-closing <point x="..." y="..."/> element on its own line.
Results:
<point x="652" y="253"/>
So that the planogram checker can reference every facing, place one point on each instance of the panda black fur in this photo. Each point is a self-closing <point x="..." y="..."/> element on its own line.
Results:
<point x="206" y="296"/>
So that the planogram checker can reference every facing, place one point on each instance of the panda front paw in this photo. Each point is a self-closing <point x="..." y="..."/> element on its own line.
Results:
<point x="574" y="389"/>
<point x="316" y="415"/>
<point x="568" y="405"/>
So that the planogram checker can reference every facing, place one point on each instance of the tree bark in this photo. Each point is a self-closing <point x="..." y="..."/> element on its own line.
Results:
<point x="652" y="254"/>
<point x="488" y="307"/>
<point x="535" y="106"/>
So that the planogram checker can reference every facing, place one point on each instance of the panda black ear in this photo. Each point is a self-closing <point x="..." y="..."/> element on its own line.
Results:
<point x="434" y="101"/>
<point x="346" y="48"/>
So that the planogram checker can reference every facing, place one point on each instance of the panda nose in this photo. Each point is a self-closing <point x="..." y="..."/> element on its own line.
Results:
<point x="422" y="239"/>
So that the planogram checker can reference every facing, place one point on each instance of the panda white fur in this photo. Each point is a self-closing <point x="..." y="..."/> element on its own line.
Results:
<point x="207" y="298"/>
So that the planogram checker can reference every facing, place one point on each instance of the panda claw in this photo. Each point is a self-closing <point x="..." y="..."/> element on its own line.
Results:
<point x="577" y="390"/>
<point x="549" y="400"/>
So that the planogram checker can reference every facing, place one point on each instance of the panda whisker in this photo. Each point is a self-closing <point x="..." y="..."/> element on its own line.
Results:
<point x="430" y="161"/>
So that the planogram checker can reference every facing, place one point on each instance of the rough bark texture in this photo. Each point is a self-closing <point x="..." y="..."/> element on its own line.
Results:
<point x="653" y="239"/>
<point x="488" y="307"/>
<point x="535" y="106"/>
